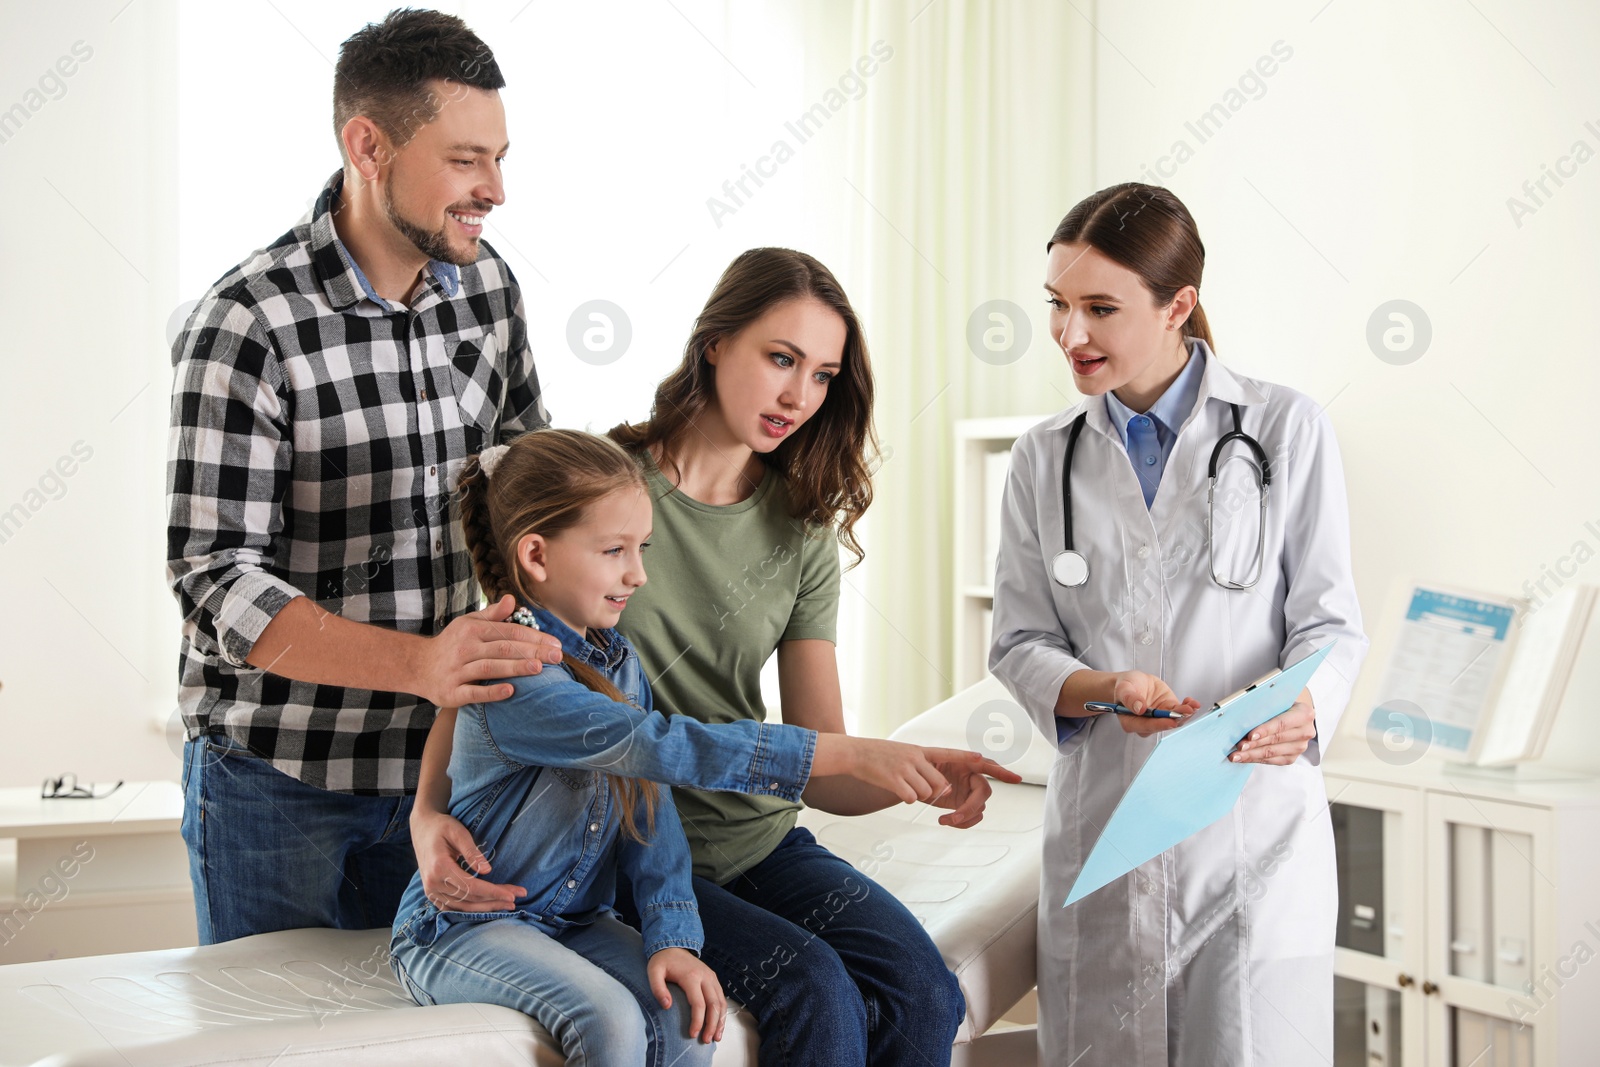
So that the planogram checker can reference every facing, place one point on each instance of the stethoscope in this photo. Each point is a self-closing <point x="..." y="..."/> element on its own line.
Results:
<point x="1069" y="568"/>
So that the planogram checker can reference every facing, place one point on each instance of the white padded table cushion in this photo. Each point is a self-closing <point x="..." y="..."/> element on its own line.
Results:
<point x="293" y="998"/>
<point x="975" y="891"/>
<point x="303" y="997"/>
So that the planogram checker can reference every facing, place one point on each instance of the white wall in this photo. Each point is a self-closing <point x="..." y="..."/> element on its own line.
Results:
<point x="1376" y="165"/>
<point x="623" y="120"/>
<point x="88" y="634"/>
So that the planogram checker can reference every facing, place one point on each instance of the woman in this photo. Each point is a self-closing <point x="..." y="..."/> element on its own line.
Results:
<point x="1221" y="949"/>
<point x="756" y="454"/>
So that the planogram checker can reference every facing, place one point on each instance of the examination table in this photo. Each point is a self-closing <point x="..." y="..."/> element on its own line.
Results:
<point x="299" y="998"/>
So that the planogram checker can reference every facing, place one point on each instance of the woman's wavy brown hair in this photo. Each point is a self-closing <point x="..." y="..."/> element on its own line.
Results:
<point x="825" y="462"/>
<point x="543" y="485"/>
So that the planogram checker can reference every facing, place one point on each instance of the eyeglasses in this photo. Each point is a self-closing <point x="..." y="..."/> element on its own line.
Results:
<point x="67" y="788"/>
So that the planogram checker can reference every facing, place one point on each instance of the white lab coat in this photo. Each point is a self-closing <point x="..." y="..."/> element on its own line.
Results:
<point x="1219" y="951"/>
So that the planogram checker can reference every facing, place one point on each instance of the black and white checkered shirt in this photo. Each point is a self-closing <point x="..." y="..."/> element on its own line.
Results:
<point x="317" y="432"/>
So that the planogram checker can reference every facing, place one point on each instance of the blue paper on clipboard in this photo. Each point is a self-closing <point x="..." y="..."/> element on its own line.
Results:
<point x="1188" y="782"/>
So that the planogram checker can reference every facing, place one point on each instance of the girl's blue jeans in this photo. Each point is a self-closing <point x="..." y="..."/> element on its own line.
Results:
<point x="585" y="984"/>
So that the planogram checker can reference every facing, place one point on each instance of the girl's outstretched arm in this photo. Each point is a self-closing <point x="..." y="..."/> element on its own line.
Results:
<point x="808" y="681"/>
<point x="553" y="720"/>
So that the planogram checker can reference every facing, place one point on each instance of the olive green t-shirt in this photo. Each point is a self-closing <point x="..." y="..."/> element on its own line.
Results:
<point x="726" y="584"/>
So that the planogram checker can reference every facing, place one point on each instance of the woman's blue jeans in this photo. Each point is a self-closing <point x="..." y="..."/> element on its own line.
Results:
<point x="835" y="970"/>
<point x="268" y="852"/>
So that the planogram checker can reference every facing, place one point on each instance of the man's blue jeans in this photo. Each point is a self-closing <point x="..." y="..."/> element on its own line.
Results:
<point x="268" y="852"/>
<point x="835" y="970"/>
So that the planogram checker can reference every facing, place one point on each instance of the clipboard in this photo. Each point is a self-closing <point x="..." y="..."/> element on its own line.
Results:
<point x="1188" y="782"/>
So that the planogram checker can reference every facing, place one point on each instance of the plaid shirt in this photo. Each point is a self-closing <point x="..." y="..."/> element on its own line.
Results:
<point x="316" y="435"/>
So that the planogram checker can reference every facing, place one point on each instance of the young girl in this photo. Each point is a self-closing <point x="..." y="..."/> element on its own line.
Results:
<point x="553" y="779"/>
<point x="756" y="454"/>
<point x="1221" y="949"/>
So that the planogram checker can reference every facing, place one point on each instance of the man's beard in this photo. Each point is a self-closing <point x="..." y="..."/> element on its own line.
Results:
<point x="431" y="243"/>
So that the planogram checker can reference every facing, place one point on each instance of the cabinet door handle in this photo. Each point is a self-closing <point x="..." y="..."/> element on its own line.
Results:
<point x="1405" y="980"/>
<point x="1429" y="989"/>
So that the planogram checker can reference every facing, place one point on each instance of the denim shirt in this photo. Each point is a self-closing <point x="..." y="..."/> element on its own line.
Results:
<point x="528" y="780"/>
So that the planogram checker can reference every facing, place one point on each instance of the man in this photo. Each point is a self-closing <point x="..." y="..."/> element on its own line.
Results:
<point x="327" y="391"/>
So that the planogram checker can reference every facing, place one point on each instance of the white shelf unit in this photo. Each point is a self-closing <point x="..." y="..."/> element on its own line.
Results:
<point x="1469" y="916"/>
<point x="976" y="522"/>
<point x="94" y="876"/>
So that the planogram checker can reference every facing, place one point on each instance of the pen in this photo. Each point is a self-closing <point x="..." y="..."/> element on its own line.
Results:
<point x="1153" y="713"/>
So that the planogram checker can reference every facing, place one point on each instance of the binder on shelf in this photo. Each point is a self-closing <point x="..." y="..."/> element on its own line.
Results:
<point x="1489" y="1041"/>
<point x="1511" y="908"/>
<point x="1383" y="1027"/>
<point x="1491" y="905"/>
<point x="1394" y="887"/>
<point x="1473" y="1037"/>
<point x="1470" y="931"/>
<point x="1359" y="847"/>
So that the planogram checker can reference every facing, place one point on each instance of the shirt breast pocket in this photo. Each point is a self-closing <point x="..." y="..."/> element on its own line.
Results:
<point x="478" y="384"/>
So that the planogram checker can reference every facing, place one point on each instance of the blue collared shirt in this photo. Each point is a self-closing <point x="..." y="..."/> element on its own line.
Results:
<point x="1149" y="436"/>
<point x="528" y="780"/>
<point x="448" y="275"/>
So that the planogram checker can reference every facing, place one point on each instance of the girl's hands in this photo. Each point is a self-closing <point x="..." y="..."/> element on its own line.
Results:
<point x="902" y="769"/>
<point x="1280" y="740"/>
<point x="1139" y="692"/>
<point x="707" y="1005"/>
<point x="911" y="772"/>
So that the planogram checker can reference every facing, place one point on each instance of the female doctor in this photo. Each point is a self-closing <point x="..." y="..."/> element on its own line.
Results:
<point x="1119" y="582"/>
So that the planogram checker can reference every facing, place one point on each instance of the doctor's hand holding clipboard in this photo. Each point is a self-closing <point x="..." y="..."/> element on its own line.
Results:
<point x="1179" y="533"/>
<point x="1280" y="740"/>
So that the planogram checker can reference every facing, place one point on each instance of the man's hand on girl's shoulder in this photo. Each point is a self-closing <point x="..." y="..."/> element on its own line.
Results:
<point x="451" y="666"/>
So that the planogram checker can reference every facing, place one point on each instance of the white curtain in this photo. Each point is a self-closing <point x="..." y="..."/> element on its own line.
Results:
<point x="972" y="140"/>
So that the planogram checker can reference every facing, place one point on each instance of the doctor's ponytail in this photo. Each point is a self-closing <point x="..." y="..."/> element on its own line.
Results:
<point x="1146" y="229"/>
